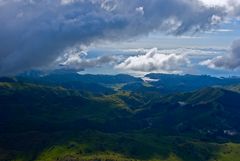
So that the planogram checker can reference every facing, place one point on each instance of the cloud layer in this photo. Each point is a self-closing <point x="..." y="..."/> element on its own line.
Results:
<point x="229" y="61"/>
<point x="34" y="33"/>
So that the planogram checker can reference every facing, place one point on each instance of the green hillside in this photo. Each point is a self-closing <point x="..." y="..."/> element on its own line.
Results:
<point x="53" y="123"/>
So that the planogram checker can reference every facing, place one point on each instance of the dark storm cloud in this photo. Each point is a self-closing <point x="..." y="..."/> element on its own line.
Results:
<point x="34" y="33"/>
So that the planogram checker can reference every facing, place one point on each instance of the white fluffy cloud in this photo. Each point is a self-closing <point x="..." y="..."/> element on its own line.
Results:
<point x="216" y="2"/>
<point x="76" y="58"/>
<point x="231" y="7"/>
<point x="229" y="61"/>
<point x="155" y="61"/>
<point x="223" y="3"/>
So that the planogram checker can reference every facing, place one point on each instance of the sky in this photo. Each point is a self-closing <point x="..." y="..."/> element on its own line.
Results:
<point x="120" y="36"/>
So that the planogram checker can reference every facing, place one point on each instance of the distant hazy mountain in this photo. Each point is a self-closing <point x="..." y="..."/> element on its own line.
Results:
<point x="100" y="84"/>
<point x="104" y="84"/>
<point x="171" y="83"/>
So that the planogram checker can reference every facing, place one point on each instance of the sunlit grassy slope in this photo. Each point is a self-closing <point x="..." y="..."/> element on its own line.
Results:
<point x="150" y="149"/>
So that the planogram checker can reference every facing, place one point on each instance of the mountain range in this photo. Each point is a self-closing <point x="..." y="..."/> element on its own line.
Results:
<point x="65" y="116"/>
